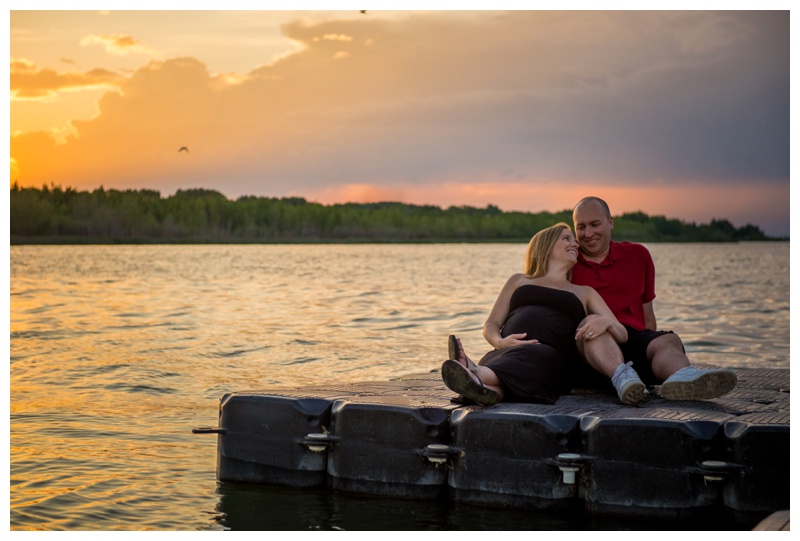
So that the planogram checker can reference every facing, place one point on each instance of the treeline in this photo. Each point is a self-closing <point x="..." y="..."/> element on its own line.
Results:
<point x="56" y="215"/>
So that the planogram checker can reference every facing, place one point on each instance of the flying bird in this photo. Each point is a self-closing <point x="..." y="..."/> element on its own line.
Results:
<point x="183" y="148"/>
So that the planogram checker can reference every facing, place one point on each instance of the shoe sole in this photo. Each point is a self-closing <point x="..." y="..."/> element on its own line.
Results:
<point x="633" y="394"/>
<point x="452" y="347"/>
<point x="452" y="352"/>
<point x="458" y="380"/>
<point x="708" y="385"/>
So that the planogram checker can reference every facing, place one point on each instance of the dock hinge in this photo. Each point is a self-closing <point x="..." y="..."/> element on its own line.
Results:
<point x="210" y="430"/>
<point x="438" y="453"/>
<point x="318" y="442"/>
<point x="716" y="470"/>
<point x="569" y="464"/>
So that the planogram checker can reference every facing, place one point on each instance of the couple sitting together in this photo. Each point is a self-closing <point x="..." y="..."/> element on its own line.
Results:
<point x="582" y="309"/>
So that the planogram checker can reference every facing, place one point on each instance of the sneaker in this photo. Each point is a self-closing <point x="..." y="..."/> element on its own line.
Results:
<point x="629" y="386"/>
<point x="692" y="383"/>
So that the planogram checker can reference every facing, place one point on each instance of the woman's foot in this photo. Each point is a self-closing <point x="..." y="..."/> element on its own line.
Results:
<point x="456" y="353"/>
<point x="466" y="383"/>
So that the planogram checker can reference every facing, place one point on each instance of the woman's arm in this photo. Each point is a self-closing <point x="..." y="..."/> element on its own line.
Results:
<point x="497" y="317"/>
<point x="605" y="322"/>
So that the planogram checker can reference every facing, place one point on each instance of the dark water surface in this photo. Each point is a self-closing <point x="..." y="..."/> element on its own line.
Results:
<point x="117" y="352"/>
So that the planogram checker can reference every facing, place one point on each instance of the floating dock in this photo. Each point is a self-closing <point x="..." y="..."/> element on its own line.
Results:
<point x="406" y="438"/>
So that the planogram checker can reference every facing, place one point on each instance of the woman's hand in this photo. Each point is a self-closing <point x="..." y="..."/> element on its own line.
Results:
<point x="514" y="340"/>
<point x="592" y="328"/>
<point x="600" y="320"/>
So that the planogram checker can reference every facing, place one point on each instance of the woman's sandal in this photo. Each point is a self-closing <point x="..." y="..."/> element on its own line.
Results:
<point x="453" y="348"/>
<point x="463" y="381"/>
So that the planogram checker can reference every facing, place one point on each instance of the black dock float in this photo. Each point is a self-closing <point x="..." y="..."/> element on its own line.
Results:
<point x="406" y="438"/>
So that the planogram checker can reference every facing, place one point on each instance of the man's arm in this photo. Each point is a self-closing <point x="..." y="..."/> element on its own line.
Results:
<point x="649" y="316"/>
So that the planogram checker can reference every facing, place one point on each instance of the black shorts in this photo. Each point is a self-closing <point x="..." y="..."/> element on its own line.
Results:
<point x="635" y="349"/>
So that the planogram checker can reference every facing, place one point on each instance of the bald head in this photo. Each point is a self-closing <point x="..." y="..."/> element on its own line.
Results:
<point x="593" y="225"/>
<point x="592" y="200"/>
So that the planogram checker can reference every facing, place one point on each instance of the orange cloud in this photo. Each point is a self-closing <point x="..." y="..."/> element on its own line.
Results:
<point x="335" y="37"/>
<point x="116" y="44"/>
<point x="31" y="82"/>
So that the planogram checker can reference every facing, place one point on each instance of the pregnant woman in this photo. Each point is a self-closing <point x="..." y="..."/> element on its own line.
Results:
<point x="533" y="327"/>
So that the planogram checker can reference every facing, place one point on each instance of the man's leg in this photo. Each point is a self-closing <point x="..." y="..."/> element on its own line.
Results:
<point x="681" y="381"/>
<point x="666" y="356"/>
<point x="603" y="354"/>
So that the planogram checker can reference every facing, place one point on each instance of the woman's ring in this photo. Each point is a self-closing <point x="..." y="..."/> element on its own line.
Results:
<point x="590" y="333"/>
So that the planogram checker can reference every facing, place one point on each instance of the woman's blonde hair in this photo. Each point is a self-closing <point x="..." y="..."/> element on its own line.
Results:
<point x="540" y="247"/>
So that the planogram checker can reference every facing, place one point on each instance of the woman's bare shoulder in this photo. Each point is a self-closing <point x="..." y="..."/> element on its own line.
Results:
<point x="582" y="292"/>
<point x="519" y="279"/>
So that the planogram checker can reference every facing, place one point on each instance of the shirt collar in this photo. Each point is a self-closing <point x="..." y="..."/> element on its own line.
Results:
<point x="613" y="255"/>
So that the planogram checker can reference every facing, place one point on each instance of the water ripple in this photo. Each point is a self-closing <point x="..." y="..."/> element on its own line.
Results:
<point x="140" y="388"/>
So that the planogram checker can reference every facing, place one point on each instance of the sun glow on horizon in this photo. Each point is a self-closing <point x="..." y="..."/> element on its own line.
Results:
<point x="670" y="201"/>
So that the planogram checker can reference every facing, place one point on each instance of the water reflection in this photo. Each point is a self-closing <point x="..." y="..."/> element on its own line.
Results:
<point x="262" y="508"/>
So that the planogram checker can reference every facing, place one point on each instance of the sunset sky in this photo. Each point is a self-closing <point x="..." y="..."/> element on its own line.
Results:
<point x="680" y="113"/>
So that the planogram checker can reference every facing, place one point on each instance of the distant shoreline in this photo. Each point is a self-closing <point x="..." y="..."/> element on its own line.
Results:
<point x="17" y="240"/>
<point x="67" y="216"/>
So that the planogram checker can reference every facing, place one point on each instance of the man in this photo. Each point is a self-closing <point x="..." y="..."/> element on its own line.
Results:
<point x="624" y="275"/>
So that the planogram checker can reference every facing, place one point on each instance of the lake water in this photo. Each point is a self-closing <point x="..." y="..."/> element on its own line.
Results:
<point x="117" y="352"/>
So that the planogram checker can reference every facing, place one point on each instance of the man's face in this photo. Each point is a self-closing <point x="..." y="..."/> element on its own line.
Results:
<point x="593" y="229"/>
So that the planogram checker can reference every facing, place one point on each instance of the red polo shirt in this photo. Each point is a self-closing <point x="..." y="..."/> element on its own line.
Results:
<point x="626" y="279"/>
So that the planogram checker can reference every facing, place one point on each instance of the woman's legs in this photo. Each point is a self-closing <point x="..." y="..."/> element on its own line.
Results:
<point x="485" y="374"/>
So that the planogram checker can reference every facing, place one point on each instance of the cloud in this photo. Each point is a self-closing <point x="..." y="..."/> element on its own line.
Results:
<point x="335" y="37"/>
<point x="640" y="100"/>
<point x="116" y="44"/>
<point x="707" y="34"/>
<point x="155" y="112"/>
<point x="28" y="81"/>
